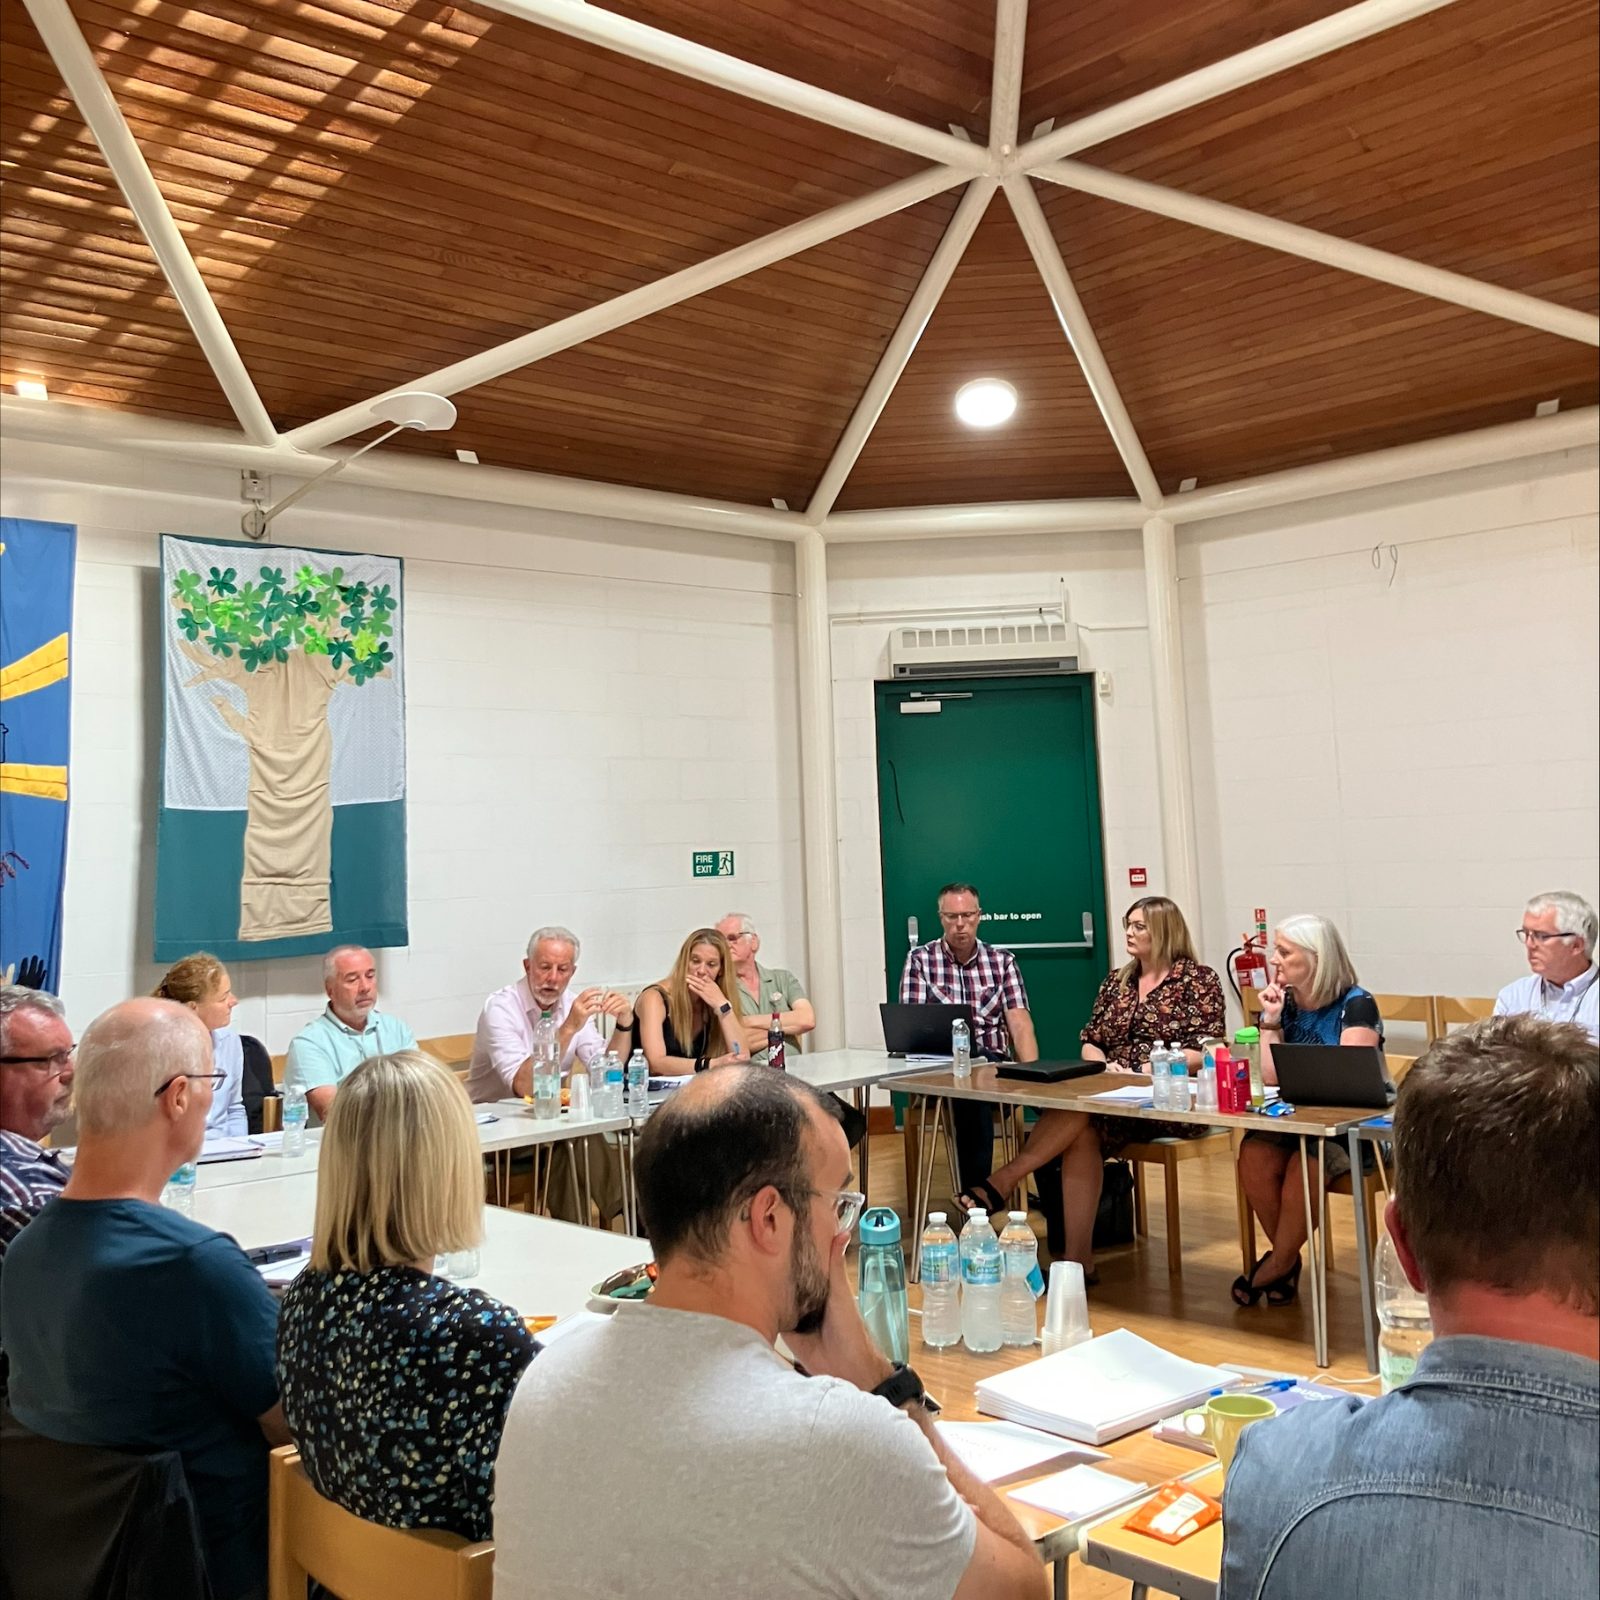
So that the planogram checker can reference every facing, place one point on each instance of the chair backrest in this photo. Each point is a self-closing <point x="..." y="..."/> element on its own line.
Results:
<point x="453" y="1049"/>
<point x="1398" y="1067"/>
<point x="1449" y="1009"/>
<point x="1408" y="1008"/>
<point x="361" y="1560"/>
<point x="1251" y="1004"/>
<point x="277" y="1067"/>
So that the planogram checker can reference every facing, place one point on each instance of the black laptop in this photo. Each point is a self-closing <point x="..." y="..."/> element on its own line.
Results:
<point x="921" y="1030"/>
<point x="1333" y="1075"/>
<point x="1049" y="1071"/>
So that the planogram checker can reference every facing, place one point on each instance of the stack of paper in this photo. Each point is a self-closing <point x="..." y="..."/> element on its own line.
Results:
<point x="995" y="1450"/>
<point x="225" y="1147"/>
<point x="1101" y="1389"/>
<point x="1078" y="1492"/>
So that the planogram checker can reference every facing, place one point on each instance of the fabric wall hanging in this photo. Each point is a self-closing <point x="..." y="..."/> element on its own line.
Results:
<point x="36" y="567"/>
<point x="283" y="772"/>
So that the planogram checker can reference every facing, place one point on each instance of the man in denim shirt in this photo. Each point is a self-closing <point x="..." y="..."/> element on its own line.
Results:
<point x="1481" y="1475"/>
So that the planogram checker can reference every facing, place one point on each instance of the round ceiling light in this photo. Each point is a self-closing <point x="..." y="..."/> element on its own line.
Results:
<point x="985" y="402"/>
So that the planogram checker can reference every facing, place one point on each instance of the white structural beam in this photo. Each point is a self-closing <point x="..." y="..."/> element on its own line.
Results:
<point x="819" y="789"/>
<point x="1075" y="324"/>
<point x="148" y="441"/>
<point x="1221" y="77"/>
<point x="1005" y="95"/>
<point x="1180" y="851"/>
<point x="897" y="353"/>
<point x="1237" y="223"/>
<point x="976" y="521"/>
<point x="1511" y="441"/>
<point x="92" y="94"/>
<point x="617" y="312"/>
<point x="698" y="61"/>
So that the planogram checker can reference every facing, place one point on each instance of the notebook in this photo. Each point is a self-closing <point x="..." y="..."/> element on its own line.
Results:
<point x="1101" y="1389"/>
<point x="1286" y="1394"/>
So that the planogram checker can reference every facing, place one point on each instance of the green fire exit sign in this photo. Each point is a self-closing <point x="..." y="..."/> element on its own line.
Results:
<point x="713" y="863"/>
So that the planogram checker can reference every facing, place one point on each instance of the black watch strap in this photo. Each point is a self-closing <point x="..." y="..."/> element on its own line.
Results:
<point x="902" y="1386"/>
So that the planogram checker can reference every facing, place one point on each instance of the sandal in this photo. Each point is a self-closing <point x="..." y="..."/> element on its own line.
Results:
<point x="1282" y="1291"/>
<point x="981" y="1194"/>
<point x="1246" y="1291"/>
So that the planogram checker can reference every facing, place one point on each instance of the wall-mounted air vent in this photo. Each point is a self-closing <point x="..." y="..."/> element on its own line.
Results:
<point x="978" y="647"/>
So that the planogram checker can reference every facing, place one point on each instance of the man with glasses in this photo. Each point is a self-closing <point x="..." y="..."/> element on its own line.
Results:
<point x="767" y="989"/>
<point x="957" y="969"/>
<point x="35" y="1095"/>
<point x="131" y="1327"/>
<point x="1558" y="931"/>
<point x="729" y="1470"/>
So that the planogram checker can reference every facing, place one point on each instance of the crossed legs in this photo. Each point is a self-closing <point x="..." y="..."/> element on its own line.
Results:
<point x="1072" y="1136"/>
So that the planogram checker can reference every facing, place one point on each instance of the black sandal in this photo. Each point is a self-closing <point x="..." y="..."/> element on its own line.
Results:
<point x="982" y="1195"/>
<point x="1246" y="1291"/>
<point x="1282" y="1291"/>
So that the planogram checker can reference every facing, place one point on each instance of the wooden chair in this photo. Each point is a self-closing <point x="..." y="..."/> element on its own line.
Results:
<point x="272" y="1113"/>
<point x="453" y="1049"/>
<point x="1449" y="1009"/>
<point x="1168" y="1154"/>
<point x="1409" y="1008"/>
<point x="359" y="1560"/>
<point x="277" y="1067"/>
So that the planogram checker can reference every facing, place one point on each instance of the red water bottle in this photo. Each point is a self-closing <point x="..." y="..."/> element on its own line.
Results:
<point x="775" y="1042"/>
<point x="1225" y="1080"/>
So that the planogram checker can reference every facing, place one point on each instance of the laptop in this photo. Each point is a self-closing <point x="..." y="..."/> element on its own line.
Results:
<point x="1049" y="1071"/>
<point x="922" y="1030"/>
<point x="1333" y="1075"/>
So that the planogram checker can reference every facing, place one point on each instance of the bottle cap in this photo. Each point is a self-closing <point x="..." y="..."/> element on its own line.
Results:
<point x="1018" y="1216"/>
<point x="936" y="1216"/>
<point x="977" y="1214"/>
<point x="880" y="1225"/>
<point x="1247" y="1036"/>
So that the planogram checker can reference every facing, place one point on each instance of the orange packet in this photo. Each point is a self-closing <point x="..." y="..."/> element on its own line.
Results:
<point x="537" y="1325"/>
<point x="1173" y="1513"/>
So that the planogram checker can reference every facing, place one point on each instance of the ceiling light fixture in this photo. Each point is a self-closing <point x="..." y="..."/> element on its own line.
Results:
<point x="32" y="389"/>
<point x="985" y="402"/>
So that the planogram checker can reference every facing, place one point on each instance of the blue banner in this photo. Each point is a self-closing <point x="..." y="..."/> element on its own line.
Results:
<point x="36" y="569"/>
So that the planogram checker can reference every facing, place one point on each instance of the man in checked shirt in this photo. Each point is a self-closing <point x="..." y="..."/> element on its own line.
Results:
<point x="960" y="969"/>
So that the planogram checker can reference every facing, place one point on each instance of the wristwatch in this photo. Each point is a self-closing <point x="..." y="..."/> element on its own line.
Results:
<point x="902" y="1386"/>
<point x="724" y="1008"/>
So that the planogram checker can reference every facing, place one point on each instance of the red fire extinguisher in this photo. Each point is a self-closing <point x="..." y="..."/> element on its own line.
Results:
<point x="1250" y="960"/>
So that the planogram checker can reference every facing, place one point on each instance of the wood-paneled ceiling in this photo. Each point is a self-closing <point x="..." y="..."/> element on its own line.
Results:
<point x="374" y="189"/>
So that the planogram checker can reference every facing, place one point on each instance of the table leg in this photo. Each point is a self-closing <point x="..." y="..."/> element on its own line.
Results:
<point x="926" y="1145"/>
<point x="1058" y="1578"/>
<point x="1319" y="1337"/>
<point x="588" y="1197"/>
<point x="1369" y="1310"/>
<point x="948" y="1123"/>
<point x="625" y="1155"/>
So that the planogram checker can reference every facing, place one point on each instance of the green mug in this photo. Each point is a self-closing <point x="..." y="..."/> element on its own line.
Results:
<point x="1223" y="1418"/>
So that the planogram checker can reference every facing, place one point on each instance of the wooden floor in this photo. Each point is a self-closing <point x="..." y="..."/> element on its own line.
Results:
<point x="1192" y="1315"/>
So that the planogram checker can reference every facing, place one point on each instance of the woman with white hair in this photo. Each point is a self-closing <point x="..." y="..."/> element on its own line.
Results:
<point x="396" y="1382"/>
<point x="1313" y="999"/>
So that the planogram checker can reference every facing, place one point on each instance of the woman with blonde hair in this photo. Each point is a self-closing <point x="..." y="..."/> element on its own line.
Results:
<point x="1313" y="999"/>
<point x="395" y="1382"/>
<point x="1161" y="995"/>
<point x="201" y="982"/>
<point x="683" y="1019"/>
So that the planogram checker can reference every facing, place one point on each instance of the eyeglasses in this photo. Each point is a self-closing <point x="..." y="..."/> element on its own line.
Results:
<point x="847" y="1204"/>
<point x="959" y="916"/>
<point x="734" y="938"/>
<point x="1135" y="927"/>
<point x="57" y="1061"/>
<point x="1539" y="936"/>
<point x="215" y="1079"/>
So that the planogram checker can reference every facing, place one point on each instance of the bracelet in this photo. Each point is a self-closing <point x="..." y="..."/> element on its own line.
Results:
<point x="700" y="1063"/>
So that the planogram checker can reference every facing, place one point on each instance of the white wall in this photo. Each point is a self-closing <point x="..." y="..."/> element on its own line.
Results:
<point x="871" y="587"/>
<point x="1409" y="748"/>
<point x="587" y="704"/>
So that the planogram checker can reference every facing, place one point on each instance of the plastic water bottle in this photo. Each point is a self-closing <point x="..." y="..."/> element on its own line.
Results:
<point x="960" y="1050"/>
<point x="1158" y="1077"/>
<point x="980" y="1284"/>
<point x="941" y="1284"/>
<point x="613" y="1081"/>
<point x="1405" y="1329"/>
<point x="638" y="1084"/>
<point x="546" y="1053"/>
<point x="1022" y="1284"/>
<point x="178" y="1195"/>
<point x="1205" y="1083"/>
<point x="295" y="1112"/>
<point x="883" y="1283"/>
<point x="1247" y="1043"/>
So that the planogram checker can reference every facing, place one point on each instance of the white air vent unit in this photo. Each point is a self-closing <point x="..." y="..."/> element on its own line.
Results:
<point x="975" y="647"/>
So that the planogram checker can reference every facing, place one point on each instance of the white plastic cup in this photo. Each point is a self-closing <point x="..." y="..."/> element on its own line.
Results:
<point x="1066" y="1308"/>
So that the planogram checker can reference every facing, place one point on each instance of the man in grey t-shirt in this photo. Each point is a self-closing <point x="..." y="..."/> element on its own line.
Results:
<point x="672" y="1451"/>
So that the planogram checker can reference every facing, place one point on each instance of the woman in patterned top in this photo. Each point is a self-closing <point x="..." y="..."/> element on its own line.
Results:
<point x="395" y="1383"/>
<point x="1162" y="995"/>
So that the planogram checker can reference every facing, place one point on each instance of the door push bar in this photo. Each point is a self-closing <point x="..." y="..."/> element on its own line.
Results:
<point x="1085" y="943"/>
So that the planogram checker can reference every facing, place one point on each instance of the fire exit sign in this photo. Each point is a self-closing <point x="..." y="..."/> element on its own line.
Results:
<point x="713" y="863"/>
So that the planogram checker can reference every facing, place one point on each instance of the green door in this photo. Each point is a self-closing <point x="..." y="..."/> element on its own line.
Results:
<point x="996" y="782"/>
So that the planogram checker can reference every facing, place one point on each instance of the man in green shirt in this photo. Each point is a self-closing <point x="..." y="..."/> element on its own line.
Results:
<point x="765" y="989"/>
<point x="330" y="1047"/>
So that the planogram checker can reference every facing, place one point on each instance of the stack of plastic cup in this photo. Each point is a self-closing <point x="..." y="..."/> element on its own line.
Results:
<point x="1066" y="1308"/>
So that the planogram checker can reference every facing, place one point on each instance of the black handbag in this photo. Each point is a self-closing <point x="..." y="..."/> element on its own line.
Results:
<point x="853" y="1122"/>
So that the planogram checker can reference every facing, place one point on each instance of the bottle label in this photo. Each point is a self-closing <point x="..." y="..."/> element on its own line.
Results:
<point x="938" y="1264"/>
<point x="1036" y="1280"/>
<point x="981" y="1273"/>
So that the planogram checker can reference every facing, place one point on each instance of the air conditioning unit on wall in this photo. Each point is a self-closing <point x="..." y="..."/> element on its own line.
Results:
<point x="976" y="647"/>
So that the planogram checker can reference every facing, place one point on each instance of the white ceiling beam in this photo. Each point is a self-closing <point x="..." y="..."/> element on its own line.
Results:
<point x="1510" y="441"/>
<point x="1075" y="324"/>
<point x="1222" y="77"/>
<point x="149" y="444"/>
<point x="1363" y="260"/>
<point x="92" y="95"/>
<point x="565" y="332"/>
<point x="661" y="49"/>
<point x="1005" y="94"/>
<point x="984" y="521"/>
<point x="892" y="363"/>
